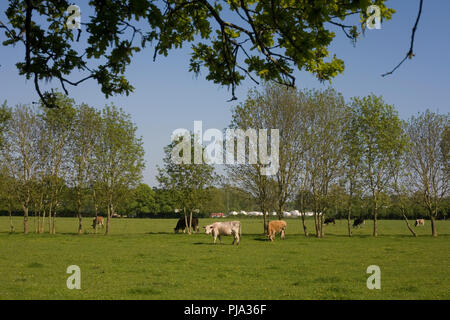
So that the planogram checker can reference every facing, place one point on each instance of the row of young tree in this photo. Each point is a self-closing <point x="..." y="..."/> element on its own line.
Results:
<point x="333" y="156"/>
<point x="361" y="146"/>
<point x="357" y="153"/>
<point x="96" y="155"/>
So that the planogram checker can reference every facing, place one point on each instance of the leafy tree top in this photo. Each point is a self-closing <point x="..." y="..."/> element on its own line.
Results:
<point x="232" y="39"/>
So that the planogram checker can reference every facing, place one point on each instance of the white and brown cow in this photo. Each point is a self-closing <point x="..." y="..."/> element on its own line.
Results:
<point x="276" y="226"/>
<point x="419" y="222"/>
<point x="99" y="220"/>
<point x="230" y="228"/>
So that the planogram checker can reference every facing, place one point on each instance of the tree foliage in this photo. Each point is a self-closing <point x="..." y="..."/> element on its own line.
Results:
<point x="73" y="154"/>
<point x="118" y="157"/>
<point x="233" y="39"/>
<point x="188" y="182"/>
<point x="144" y="200"/>
<point x="427" y="160"/>
<point x="382" y="144"/>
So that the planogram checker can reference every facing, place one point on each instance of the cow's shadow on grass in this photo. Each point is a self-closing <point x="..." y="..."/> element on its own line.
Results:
<point x="262" y="239"/>
<point x="162" y="232"/>
<point x="173" y="233"/>
<point x="213" y="244"/>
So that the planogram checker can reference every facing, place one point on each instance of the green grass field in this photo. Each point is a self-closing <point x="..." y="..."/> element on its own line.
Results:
<point x="144" y="259"/>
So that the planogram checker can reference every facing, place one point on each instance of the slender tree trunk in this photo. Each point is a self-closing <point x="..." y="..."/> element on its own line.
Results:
<point x="316" y="224"/>
<point x="54" y="221"/>
<point x="110" y="213"/>
<point x="34" y="222"/>
<point x="265" y="222"/>
<point x="263" y="210"/>
<point x="190" y="222"/>
<point x="108" y="218"/>
<point x="51" y="214"/>
<point x="25" y="220"/>
<point x="50" y="217"/>
<point x="11" y="225"/>
<point x="96" y="211"/>
<point x="322" y="218"/>
<point x="39" y="215"/>
<point x="349" y="210"/>
<point x="95" y="223"/>
<point x="25" y="213"/>
<point x="185" y="220"/>
<point x="375" y="216"/>
<point x="302" y="211"/>
<point x="43" y="221"/>
<point x="349" y="221"/>
<point x="375" y="226"/>
<point x="280" y="214"/>
<point x="316" y="219"/>
<point x="305" y="231"/>
<point x="433" y="226"/>
<point x="80" y="227"/>
<point x="38" y="230"/>
<point x="407" y="222"/>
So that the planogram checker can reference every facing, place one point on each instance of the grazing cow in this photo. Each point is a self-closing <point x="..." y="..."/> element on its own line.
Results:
<point x="329" y="220"/>
<point x="98" y="220"/>
<point x="419" y="222"/>
<point x="229" y="228"/>
<point x="276" y="226"/>
<point x="358" y="222"/>
<point x="181" y="224"/>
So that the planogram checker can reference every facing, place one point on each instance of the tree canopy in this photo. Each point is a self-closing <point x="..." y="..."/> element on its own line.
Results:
<point x="233" y="39"/>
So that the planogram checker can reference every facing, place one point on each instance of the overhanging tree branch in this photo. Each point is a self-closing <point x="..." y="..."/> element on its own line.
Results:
<point x="410" y="52"/>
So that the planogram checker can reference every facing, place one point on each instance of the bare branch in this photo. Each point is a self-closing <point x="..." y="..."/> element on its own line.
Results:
<point x="410" y="52"/>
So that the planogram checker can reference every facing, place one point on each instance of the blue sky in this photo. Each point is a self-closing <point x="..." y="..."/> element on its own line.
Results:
<point x="168" y="97"/>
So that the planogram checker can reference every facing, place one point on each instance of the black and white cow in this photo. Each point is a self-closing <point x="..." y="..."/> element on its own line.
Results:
<point x="181" y="224"/>
<point x="358" y="222"/>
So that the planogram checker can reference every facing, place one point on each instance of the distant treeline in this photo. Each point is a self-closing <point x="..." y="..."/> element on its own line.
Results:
<point x="147" y="202"/>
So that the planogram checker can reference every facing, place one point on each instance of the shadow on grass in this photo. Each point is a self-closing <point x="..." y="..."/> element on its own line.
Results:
<point x="203" y="243"/>
<point x="214" y="244"/>
<point x="44" y="234"/>
<point x="173" y="233"/>
<point x="371" y="236"/>
<point x="162" y="232"/>
<point x="261" y="239"/>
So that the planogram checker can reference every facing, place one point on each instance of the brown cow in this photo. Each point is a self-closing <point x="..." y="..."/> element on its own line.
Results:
<point x="98" y="220"/>
<point x="276" y="226"/>
<point x="419" y="222"/>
